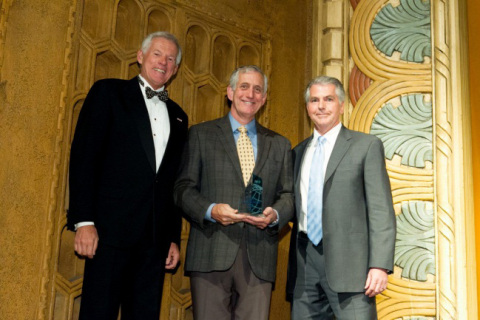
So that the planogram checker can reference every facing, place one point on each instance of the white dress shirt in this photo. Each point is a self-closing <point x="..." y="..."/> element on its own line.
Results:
<point x="331" y="138"/>
<point x="159" y="121"/>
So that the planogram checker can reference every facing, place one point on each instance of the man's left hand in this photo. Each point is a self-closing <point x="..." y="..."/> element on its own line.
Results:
<point x="261" y="222"/>
<point x="377" y="280"/>
<point x="173" y="257"/>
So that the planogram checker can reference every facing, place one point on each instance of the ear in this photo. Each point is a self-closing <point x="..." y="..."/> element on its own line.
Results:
<point x="264" y="99"/>
<point x="140" y="56"/>
<point x="341" y="107"/>
<point x="230" y="93"/>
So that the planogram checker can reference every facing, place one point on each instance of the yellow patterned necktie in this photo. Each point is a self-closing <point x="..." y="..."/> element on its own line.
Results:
<point x="245" y="154"/>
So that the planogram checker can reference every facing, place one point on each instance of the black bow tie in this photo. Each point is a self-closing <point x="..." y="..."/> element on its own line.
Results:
<point x="162" y="95"/>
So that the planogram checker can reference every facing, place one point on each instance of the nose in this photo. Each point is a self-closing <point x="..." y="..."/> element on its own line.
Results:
<point x="250" y="92"/>
<point x="162" y="60"/>
<point x="321" y="105"/>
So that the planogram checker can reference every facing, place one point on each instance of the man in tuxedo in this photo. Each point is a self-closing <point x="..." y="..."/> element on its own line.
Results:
<point x="231" y="255"/>
<point x="124" y="159"/>
<point x="343" y="239"/>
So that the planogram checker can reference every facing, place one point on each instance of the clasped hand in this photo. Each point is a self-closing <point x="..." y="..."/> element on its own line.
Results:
<point x="226" y="215"/>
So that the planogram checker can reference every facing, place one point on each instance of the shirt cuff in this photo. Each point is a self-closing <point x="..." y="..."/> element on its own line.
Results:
<point x="274" y="223"/>
<point x="208" y="214"/>
<point x="83" y="224"/>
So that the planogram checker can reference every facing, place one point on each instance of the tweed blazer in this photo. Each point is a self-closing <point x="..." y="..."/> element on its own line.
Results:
<point x="210" y="173"/>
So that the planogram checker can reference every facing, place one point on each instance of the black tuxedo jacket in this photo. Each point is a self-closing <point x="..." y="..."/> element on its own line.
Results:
<point x="113" y="179"/>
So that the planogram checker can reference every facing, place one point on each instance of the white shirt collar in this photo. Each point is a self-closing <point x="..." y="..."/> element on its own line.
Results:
<point x="330" y="136"/>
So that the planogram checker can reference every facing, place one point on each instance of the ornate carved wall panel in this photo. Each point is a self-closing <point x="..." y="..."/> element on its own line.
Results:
<point x="397" y="94"/>
<point x="107" y="36"/>
<point x="405" y="85"/>
<point x="390" y="45"/>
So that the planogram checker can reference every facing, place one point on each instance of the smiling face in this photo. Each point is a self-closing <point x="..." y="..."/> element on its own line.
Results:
<point x="324" y="107"/>
<point x="248" y="96"/>
<point x="158" y="62"/>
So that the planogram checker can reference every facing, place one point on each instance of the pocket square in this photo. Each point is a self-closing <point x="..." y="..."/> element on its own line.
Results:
<point x="179" y="119"/>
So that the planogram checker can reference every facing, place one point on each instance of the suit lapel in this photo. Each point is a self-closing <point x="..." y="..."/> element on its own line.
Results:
<point x="225" y="135"/>
<point x="340" y="148"/>
<point x="136" y="104"/>
<point x="263" y="148"/>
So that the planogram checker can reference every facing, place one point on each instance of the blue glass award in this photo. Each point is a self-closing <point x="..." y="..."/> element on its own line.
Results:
<point x="251" y="201"/>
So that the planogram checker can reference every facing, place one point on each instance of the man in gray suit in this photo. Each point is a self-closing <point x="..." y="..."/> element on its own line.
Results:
<point x="231" y="255"/>
<point x="343" y="241"/>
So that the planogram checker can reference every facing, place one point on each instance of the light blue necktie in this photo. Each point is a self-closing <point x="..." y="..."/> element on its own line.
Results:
<point x="315" y="193"/>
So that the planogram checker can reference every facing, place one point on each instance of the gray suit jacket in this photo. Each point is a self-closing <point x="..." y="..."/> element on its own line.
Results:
<point x="210" y="173"/>
<point x="358" y="218"/>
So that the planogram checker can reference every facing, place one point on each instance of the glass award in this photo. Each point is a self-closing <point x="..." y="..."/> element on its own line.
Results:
<point x="251" y="201"/>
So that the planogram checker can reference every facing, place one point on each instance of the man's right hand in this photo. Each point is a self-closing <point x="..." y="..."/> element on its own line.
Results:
<point x="225" y="214"/>
<point x="86" y="241"/>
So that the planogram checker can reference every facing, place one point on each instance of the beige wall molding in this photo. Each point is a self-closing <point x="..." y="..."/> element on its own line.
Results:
<point x="56" y="218"/>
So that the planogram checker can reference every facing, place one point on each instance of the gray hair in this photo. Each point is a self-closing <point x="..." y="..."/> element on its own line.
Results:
<point x="166" y="35"/>
<point x="245" y="69"/>
<point x="324" y="80"/>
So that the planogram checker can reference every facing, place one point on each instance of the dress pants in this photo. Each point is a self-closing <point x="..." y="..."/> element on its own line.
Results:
<point x="126" y="278"/>
<point x="314" y="299"/>
<point x="234" y="294"/>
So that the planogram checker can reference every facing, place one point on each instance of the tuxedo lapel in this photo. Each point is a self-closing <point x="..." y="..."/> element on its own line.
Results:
<point x="136" y="104"/>
<point x="225" y="135"/>
<point x="339" y="149"/>
<point x="176" y="124"/>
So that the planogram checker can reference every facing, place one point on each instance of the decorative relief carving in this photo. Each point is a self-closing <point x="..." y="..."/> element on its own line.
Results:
<point x="410" y="183"/>
<point x="404" y="28"/>
<point x="358" y="83"/>
<point x="197" y="50"/>
<point x="415" y="244"/>
<point x="224" y="57"/>
<point x="96" y="19"/>
<point x="397" y="303"/>
<point x="406" y="130"/>
<point x="392" y="98"/>
<point x="158" y="20"/>
<point x="369" y="59"/>
<point x="129" y="13"/>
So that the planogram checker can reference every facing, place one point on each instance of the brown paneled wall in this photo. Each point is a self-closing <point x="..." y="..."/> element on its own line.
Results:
<point x="42" y="79"/>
